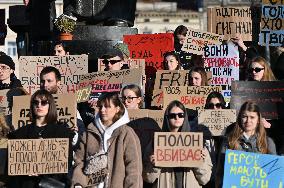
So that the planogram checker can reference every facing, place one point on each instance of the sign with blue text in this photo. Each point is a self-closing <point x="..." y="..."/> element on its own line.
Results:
<point x="245" y="169"/>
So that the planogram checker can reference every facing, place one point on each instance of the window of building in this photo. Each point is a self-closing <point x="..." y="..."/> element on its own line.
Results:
<point x="12" y="49"/>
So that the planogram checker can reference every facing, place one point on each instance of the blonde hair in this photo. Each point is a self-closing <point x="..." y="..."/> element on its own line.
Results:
<point x="267" y="75"/>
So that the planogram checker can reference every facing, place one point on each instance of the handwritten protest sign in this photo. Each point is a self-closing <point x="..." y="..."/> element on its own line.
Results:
<point x="111" y="81"/>
<point x="70" y="67"/>
<point x="216" y="121"/>
<point x="223" y="62"/>
<point x="131" y="63"/>
<point x="268" y="95"/>
<point x="37" y="156"/>
<point x="83" y="94"/>
<point x="245" y="169"/>
<point x="150" y="47"/>
<point x="167" y="78"/>
<point x="96" y="178"/>
<point x="178" y="149"/>
<point x="157" y="115"/>
<point x="192" y="97"/>
<point x="6" y="99"/>
<point x="66" y="110"/>
<point x="196" y="40"/>
<point x="272" y="23"/>
<point x="229" y="21"/>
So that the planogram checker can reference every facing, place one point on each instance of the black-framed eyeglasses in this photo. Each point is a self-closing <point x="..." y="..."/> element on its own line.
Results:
<point x="256" y="69"/>
<point x="4" y="68"/>
<point x="218" y="105"/>
<point x="106" y="62"/>
<point x="42" y="103"/>
<point x="174" y="115"/>
<point x="128" y="99"/>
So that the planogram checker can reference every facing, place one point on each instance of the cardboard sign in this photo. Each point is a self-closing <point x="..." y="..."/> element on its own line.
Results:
<point x="83" y="94"/>
<point x="272" y="23"/>
<point x="196" y="40"/>
<point x="96" y="178"/>
<point x="157" y="115"/>
<point x="6" y="99"/>
<point x="192" y="97"/>
<point x="216" y="121"/>
<point x="178" y="149"/>
<point x="70" y="67"/>
<point x="223" y="62"/>
<point x="268" y="95"/>
<point x="229" y="21"/>
<point x="245" y="169"/>
<point x="131" y="63"/>
<point x="38" y="156"/>
<point x="111" y="81"/>
<point x="167" y="78"/>
<point x="150" y="47"/>
<point x="66" y="110"/>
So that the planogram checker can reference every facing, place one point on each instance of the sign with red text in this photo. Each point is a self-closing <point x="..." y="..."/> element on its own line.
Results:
<point x="150" y="47"/>
<point x="66" y="110"/>
<point x="196" y="40"/>
<point x="38" y="156"/>
<point x="272" y="23"/>
<point x="215" y="122"/>
<point x="223" y="62"/>
<point x="178" y="149"/>
<point x="229" y="21"/>
<point x="71" y="67"/>
<point x="192" y="97"/>
<point x="131" y="63"/>
<point x="111" y="81"/>
<point x="268" y="95"/>
<point x="247" y="169"/>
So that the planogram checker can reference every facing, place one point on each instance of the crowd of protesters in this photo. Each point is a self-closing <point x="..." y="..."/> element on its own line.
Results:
<point x="105" y="141"/>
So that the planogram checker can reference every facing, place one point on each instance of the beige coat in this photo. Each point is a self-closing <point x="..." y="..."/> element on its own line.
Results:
<point x="124" y="157"/>
<point x="193" y="177"/>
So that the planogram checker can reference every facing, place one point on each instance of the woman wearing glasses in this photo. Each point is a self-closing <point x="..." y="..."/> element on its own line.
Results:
<point x="175" y="120"/>
<point x="259" y="70"/>
<point x="131" y="96"/>
<point x="247" y="135"/>
<point x="44" y="125"/>
<point x="109" y="154"/>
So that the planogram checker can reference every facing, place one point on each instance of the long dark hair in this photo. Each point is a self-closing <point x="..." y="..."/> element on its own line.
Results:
<point x="215" y="94"/>
<point x="51" y="116"/>
<point x="172" y="53"/>
<point x="104" y="100"/>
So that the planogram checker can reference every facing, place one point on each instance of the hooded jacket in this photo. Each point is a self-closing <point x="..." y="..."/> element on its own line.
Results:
<point x="124" y="163"/>
<point x="166" y="177"/>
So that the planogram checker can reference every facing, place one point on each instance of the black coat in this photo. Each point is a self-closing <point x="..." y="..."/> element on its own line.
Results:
<point x="32" y="131"/>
